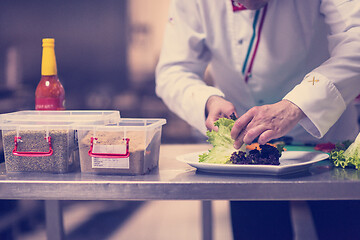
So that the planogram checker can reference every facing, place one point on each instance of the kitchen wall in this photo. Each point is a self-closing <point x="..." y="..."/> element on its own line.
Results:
<point x="90" y="44"/>
<point x="106" y="55"/>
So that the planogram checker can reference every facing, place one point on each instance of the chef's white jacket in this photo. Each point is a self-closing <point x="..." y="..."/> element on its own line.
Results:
<point x="305" y="51"/>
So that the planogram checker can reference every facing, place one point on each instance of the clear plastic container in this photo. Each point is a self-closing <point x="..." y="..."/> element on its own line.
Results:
<point x="46" y="141"/>
<point x="129" y="147"/>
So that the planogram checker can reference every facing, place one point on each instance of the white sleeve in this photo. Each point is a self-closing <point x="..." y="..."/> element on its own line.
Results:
<point x="183" y="60"/>
<point x="324" y="93"/>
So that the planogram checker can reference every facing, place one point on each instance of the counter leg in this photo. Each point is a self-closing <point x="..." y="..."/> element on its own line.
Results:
<point x="302" y="221"/>
<point x="206" y="220"/>
<point x="54" y="220"/>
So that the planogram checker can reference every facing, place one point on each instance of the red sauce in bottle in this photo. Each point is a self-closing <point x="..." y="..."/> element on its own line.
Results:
<point x="49" y="94"/>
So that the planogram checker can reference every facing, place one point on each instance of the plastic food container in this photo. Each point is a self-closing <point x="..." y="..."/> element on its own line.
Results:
<point x="129" y="147"/>
<point x="46" y="141"/>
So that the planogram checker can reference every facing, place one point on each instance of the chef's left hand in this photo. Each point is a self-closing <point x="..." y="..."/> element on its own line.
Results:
<point x="266" y="122"/>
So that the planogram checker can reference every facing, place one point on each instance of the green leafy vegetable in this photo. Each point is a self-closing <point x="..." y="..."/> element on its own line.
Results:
<point x="345" y="155"/>
<point x="343" y="145"/>
<point x="280" y="147"/>
<point x="224" y="152"/>
<point x="221" y="141"/>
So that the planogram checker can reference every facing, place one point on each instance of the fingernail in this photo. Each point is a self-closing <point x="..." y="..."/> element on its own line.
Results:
<point x="236" y="145"/>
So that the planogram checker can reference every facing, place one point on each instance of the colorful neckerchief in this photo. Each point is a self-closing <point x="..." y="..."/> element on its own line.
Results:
<point x="237" y="6"/>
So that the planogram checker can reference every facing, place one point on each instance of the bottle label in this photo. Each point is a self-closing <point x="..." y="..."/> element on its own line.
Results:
<point x="50" y="104"/>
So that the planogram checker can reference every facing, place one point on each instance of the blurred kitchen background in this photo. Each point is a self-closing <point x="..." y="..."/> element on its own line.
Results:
<point x="106" y="54"/>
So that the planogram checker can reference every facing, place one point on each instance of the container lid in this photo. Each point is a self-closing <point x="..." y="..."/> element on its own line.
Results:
<point x="34" y="118"/>
<point x="133" y="124"/>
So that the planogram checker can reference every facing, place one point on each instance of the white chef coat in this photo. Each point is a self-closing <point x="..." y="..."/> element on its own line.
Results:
<point x="305" y="51"/>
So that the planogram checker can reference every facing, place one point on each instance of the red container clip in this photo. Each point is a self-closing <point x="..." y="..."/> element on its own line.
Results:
<point x="109" y="155"/>
<point x="32" y="154"/>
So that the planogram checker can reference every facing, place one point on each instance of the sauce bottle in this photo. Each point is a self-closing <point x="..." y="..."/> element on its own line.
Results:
<point x="49" y="94"/>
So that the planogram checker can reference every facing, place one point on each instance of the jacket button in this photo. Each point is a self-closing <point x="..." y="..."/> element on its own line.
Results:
<point x="240" y="41"/>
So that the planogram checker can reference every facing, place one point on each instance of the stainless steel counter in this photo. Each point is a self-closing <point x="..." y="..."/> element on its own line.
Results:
<point x="176" y="180"/>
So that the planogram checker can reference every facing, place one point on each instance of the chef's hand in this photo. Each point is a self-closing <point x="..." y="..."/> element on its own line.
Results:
<point x="266" y="122"/>
<point x="217" y="107"/>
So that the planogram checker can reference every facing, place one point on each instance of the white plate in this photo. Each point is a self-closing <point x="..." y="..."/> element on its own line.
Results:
<point x="290" y="162"/>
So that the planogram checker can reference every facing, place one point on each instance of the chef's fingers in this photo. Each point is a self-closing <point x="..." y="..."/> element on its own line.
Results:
<point x="230" y="114"/>
<point x="268" y="135"/>
<point x="240" y="124"/>
<point x="239" y="140"/>
<point x="253" y="132"/>
<point x="227" y="110"/>
<point x="217" y="107"/>
<point x="209" y="123"/>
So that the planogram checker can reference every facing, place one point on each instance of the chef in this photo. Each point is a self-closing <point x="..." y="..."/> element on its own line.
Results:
<point x="284" y="67"/>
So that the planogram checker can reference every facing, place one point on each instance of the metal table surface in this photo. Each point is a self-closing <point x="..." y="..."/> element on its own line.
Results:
<point x="176" y="180"/>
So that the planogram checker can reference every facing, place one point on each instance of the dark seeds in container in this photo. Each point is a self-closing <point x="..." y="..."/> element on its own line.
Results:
<point x="34" y="141"/>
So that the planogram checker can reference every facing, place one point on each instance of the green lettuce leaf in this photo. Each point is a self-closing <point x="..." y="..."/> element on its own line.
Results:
<point x="348" y="157"/>
<point x="221" y="141"/>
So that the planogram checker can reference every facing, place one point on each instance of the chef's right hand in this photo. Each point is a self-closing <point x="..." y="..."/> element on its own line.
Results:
<point x="217" y="107"/>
